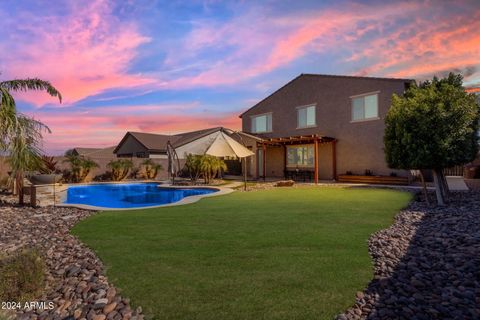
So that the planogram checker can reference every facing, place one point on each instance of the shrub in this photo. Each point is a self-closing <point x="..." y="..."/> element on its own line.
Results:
<point x="134" y="173"/>
<point x="48" y="165"/>
<point x="80" y="167"/>
<point x="205" y="166"/>
<point x="192" y="166"/>
<point x="4" y="183"/>
<point x="120" y="168"/>
<point x="106" y="176"/>
<point x="21" y="275"/>
<point x="5" y="316"/>
<point x="151" y="169"/>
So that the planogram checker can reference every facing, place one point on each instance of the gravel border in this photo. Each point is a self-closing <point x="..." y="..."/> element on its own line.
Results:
<point x="76" y="285"/>
<point x="426" y="265"/>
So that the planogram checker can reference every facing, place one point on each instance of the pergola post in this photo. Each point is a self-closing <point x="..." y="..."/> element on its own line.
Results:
<point x="264" y="148"/>
<point x="316" y="160"/>
<point x="334" y="159"/>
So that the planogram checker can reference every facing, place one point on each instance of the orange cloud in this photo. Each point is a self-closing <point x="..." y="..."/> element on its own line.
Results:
<point x="472" y="90"/>
<point x="425" y="49"/>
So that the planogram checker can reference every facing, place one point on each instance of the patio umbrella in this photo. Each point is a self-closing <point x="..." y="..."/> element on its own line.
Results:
<point x="217" y="144"/>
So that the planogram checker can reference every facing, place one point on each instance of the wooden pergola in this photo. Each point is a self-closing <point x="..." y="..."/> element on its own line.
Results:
<point x="314" y="139"/>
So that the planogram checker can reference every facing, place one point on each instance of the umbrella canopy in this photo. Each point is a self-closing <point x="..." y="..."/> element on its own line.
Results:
<point x="216" y="144"/>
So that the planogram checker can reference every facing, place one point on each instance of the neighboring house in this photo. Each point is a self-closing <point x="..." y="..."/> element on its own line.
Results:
<point x="95" y="152"/>
<point x="324" y="125"/>
<point x="150" y="145"/>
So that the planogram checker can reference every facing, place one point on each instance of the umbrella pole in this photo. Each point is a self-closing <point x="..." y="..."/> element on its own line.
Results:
<point x="244" y="174"/>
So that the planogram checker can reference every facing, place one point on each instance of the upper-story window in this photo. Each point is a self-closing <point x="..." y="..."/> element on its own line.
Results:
<point x="306" y="117"/>
<point x="262" y="123"/>
<point x="365" y="107"/>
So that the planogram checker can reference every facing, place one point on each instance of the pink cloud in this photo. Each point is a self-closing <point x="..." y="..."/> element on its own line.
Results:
<point x="448" y="45"/>
<point x="374" y="39"/>
<point x="81" y="54"/>
<point x="274" y="42"/>
<point x="106" y="126"/>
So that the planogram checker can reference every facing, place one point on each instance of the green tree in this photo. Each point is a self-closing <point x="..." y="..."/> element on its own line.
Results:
<point x="120" y="168"/>
<point x="433" y="126"/>
<point x="20" y="135"/>
<point x="151" y="169"/>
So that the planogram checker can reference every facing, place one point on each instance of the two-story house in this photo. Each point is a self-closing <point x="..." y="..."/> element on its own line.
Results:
<point x="323" y="126"/>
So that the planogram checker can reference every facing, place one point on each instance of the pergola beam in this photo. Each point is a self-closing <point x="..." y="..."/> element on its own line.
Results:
<point x="315" y="139"/>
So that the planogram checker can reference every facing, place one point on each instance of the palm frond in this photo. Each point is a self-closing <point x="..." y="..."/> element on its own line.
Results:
<point x="8" y="117"/>
<point x="31" y="84"/>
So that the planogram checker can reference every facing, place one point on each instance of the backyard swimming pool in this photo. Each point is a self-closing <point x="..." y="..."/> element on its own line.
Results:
<point x="129" y="195"/>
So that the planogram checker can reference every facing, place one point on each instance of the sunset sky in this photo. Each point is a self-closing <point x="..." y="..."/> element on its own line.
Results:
<point x="173" y="66"/>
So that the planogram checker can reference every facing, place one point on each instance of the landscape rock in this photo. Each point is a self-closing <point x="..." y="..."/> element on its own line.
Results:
<point x="75" y="280"/>
<point x="426" y="265"/>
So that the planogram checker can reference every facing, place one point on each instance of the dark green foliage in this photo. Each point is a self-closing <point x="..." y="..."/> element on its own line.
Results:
<point x="433" y="126"/>
<point x="21" y="276"/>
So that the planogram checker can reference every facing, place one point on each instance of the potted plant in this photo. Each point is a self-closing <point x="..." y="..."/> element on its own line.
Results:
<point x="48" y="172"/>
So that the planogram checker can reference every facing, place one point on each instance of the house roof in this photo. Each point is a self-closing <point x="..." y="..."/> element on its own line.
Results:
<point x="158" y="142"/>
<point x="152" y="141"/>
<point x="312" y="75"/>
<point x="95" y="152"/>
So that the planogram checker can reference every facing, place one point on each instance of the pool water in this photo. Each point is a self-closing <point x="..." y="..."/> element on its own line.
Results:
<point x="129" y="195"/>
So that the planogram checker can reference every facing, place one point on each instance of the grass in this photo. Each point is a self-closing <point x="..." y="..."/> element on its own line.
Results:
<point x="286" y="253"/>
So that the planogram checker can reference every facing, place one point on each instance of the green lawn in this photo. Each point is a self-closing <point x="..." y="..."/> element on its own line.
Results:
<point x="274" y="254"/>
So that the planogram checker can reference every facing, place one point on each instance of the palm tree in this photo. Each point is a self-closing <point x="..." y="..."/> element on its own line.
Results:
<point x="151" y="169"/>
<point x="192" y="164"/>
<point x="211" y="166"/>
<point x="120" y="168"/>
<point x="218" y="166"/>
<point x="21" y="135"/>
<point x="80" y="167"/>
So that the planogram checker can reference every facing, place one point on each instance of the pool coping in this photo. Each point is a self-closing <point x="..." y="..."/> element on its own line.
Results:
<point x="187" y="200"/>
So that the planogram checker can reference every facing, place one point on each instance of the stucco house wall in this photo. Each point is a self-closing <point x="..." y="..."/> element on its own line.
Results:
<point x="360" y="143"/>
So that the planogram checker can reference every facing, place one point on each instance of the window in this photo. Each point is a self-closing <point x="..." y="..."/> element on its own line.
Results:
<point x="306" y="117"/>
<point x="300" y="156"/>
<point x="262" y="123"/>
<point x="365" y="107"/>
